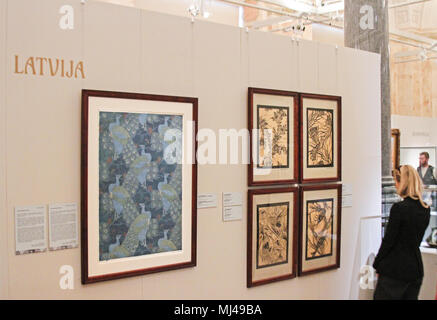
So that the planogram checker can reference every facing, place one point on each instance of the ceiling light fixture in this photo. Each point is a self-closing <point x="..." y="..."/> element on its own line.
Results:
<point x="194" y="11"/>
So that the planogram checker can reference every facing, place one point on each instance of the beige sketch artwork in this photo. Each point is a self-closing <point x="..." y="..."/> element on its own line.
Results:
<point x="319" y="228"/>
<point x="320" y="151"/>
<point x="272" y="248"/>
<point x="274" y="137"/>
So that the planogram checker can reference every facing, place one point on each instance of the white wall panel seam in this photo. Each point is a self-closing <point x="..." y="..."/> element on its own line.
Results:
<point x="318" y="67"/>
<point x="193" y="66"/>
<point x="299" y="81"/>
<point x="5" y="111"/>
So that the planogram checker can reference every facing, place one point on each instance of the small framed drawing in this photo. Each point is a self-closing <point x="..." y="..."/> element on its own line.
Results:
<point x="396" y="148"/>
<point x="139" y="184"/>
<point x="273" y="124"/>
<point x="320" y="229"/>
<point x="320" y="138"/>
<point x="272" y="235"/>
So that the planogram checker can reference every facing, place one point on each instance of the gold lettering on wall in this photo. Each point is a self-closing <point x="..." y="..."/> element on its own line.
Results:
<point x="50" y="67"/>
<point x="41" y="65"/>
<point x="53" y="72"/>
<point x="79" y="67"/>
<point x="30" y="64"/>
<point x="16" y="66"/>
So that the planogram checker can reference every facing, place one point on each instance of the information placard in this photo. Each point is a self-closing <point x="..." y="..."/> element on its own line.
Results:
<point x="234" y="213"/>
<point x="63" y="226"/>
<point x="30" y="229"/>
<point x="232" y="199"/>
<point x="206" y="200"/>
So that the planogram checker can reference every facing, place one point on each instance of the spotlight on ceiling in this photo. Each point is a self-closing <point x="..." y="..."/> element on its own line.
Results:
<point x="193" y="10"/>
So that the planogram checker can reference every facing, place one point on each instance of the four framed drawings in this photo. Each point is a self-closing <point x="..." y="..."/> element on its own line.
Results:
<point x="295" y="139"/>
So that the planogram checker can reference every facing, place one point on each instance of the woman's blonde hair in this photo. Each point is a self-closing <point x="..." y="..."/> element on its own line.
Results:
<point x="410" y="184"/>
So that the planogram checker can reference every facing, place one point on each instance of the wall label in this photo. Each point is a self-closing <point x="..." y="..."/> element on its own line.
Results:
<point x="232" y="213"/>
<point x="63" y="230"/>
<point x="50" y="67"/>
<point x="30" y="229"/>
<point x="347" y="201"/>
<point x="232" y="199"/>
<point x="347" y="189"/>
<point x="206" y="200"/>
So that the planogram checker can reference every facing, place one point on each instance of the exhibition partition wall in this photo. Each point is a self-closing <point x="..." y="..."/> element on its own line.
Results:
<point x="3" y="210"/>
<point x="115" y="48"/>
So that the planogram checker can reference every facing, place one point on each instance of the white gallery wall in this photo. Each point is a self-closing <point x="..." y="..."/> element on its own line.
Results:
<point x="327" y="34"/>
<point x="220" y="12"/>
<point x="416" y="131"/>
<point x="126" y="49"/>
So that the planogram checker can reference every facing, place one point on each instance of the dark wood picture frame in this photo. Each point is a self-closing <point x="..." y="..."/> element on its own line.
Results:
<point x="302" y="241"/>
<point x="294" y="239"/>
<point x="338" y="141"/>
<point x="86" y="94"/>
<point x="396" y="148"/>
<point x="292" y="135"/>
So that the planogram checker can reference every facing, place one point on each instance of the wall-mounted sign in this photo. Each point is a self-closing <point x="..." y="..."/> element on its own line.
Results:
<point x="232" y="206"/>
<point x="232" y="199"/>
<point x="49" y="67"/>
<point x="206" y="200"/>
<point x="63" y="230"/>
<point x="232" y="213"/>
<point x="347" y="201"/>
<point x="30" y="229"/>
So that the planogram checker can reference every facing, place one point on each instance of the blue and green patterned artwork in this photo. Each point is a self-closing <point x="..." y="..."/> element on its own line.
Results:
<point x="140" y="194"/>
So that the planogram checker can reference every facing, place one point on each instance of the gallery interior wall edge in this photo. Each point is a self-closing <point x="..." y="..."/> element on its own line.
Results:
<point x="4" y="279"/>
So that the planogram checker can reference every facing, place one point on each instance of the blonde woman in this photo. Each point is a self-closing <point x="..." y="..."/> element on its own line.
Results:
<point x="399" y="261"/>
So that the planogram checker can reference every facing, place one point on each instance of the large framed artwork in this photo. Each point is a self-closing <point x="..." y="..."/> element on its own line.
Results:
<point x="272" y="235"/>
<point x="273" y="124"/>
<point x="320" y="228"/>
<point x="139" y="184"/>
<point x="320" y="138"/>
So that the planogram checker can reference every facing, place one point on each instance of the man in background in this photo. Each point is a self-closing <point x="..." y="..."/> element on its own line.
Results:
<point x="427" y="172"/>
